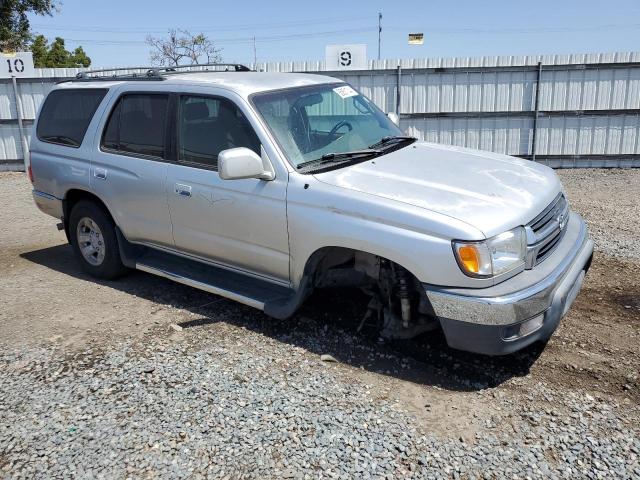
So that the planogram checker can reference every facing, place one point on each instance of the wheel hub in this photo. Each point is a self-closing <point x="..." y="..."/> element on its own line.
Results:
<point x="90" y="241"/>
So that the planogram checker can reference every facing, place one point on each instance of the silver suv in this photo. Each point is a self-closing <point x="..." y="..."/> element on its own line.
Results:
<point x="260" y="187"/>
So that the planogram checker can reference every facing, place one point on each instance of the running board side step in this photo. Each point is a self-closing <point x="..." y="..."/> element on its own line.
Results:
<point x="201" y="286"/>
<point x="275" y="300"/>
<point x="229" y="284"/>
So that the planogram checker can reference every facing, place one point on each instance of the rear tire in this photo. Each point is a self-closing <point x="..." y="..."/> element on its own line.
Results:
<point x="94" y="241"/>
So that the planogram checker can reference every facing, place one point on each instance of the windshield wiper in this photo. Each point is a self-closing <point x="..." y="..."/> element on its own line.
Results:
<point x="338" y="156"/>
<point x="351" y="154"/>
<point x="393" y="139"/>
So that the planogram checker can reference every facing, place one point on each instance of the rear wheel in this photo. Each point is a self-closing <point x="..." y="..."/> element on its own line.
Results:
<point x="94" y="241"/>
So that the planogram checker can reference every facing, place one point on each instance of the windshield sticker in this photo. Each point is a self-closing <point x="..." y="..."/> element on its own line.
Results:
<point x="345" y="91"/>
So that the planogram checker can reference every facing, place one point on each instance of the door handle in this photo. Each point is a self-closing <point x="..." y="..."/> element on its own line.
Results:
<point x="183" y="190"/>
<point x="100" y="173"/>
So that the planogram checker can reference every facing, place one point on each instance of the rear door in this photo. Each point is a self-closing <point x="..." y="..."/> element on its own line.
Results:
<point x="237" y="223"/>
<point x="129" y="169"/>
<point x="61" y="149"/>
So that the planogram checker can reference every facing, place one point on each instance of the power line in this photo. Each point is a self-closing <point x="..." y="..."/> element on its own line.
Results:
<point x="267" y="26"/>
<point x="277" y="38"/>
<point x="204" y="29"/>
<point x="513" y="31"/>
<point x="285" y="37"/>
<point x="237" y="40"/>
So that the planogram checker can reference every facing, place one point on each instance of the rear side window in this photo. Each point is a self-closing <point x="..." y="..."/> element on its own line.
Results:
<point x="66" y="115"/>
<point x="137" y="125"/>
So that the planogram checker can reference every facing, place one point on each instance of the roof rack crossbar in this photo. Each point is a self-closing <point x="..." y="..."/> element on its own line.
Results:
<point x="154" y="73"/>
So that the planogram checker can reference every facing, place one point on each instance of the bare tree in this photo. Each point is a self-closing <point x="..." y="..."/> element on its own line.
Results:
<point x="182" y="47"/>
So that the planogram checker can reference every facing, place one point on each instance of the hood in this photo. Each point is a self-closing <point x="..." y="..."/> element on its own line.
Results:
<point x="489" y="191"/>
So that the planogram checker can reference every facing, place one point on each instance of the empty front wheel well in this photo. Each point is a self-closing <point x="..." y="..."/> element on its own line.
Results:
<point x="332" y="258"/>
<point x="398" y="306"/>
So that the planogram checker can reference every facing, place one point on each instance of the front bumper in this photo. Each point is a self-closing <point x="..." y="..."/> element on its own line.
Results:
<point x="484" y="320"/>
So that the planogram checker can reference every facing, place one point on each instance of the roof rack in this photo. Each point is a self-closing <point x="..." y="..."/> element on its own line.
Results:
<point x="154" y="73"/>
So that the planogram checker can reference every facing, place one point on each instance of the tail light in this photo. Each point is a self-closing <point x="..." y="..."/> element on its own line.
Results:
<point x="30" y="173"/>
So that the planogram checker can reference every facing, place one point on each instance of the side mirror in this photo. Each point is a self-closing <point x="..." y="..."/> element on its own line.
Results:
<point x="239" y="163"/>
<point x="394" y="118"/>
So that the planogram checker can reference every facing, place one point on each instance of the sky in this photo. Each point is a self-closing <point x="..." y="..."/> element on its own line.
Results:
<point x="113" y="32"/>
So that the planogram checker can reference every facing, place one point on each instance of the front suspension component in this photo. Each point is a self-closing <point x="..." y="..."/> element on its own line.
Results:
<point x="404" y="293"/>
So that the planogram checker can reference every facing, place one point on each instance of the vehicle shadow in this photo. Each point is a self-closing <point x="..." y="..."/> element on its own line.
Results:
<point x="326" y="324"/>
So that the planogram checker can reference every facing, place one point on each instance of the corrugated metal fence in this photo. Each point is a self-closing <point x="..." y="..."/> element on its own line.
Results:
<point x="563" y="110"/>
<point x="21" y="109"/>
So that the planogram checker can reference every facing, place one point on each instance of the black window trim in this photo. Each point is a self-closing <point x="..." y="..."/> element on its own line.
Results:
<point x="84" y="134"/>
<point x="169" y="143"/>
<point x="178" y="112"/>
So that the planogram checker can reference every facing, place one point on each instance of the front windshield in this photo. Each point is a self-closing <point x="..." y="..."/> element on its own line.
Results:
<point x="310" y="122"/>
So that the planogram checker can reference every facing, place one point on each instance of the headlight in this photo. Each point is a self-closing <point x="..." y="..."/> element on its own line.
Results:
<point x="493" y="256"/>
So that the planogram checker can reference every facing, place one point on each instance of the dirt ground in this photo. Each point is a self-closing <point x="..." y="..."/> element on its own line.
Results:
<point x="46" y="299"/>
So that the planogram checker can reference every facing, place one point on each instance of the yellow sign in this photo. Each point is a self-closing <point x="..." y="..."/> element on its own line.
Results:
<point x="416" y="38"/>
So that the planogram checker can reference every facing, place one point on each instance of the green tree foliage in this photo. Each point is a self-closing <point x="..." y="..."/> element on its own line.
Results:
<point x="15" y="35"/>
<point x="56" y="55"/>
<point x="40" y="49"/>
<point x="79" y="57"/>
<point x="14" y="23"/>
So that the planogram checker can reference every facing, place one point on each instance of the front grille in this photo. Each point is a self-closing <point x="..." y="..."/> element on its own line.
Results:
<point x="546" y="230"/>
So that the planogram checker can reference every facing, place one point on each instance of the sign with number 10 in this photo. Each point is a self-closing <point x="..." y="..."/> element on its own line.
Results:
<point x="19" y="64"/>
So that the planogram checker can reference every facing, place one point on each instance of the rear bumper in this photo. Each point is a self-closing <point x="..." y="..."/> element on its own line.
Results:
<point x="48" y="204"/>
<point x="522" y="310"/>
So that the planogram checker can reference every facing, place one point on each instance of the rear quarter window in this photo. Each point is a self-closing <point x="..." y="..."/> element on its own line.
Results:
<point x="66" y="115"/>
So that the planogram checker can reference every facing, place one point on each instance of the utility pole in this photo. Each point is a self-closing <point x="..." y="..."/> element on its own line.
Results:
<point x="379" y="32"/>
<point x="255" y="55"/>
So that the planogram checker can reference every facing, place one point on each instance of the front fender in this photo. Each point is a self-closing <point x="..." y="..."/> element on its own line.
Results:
<point x="322" y="215"/>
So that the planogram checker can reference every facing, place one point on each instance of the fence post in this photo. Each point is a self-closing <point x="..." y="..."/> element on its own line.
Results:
<point x="23" y="139"/>
<point x="398" y="77"/>
<point x="536" y="113"/>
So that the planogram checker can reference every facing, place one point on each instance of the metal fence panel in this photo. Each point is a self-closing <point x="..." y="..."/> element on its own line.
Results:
<point x="7" y="101"/>
<point x="511" y="136"/>
<point x="31" y="95"/>
<point x="10" y="144"/>
<point x="589" y="103"/>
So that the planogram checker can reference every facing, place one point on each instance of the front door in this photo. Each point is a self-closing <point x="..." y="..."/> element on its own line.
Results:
<point x="236" y="223"/>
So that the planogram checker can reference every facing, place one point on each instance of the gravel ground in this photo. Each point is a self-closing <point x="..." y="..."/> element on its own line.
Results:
<point x="609" y="200"/>
<point x="261" y="409"/>
<point x="143" y="378"/>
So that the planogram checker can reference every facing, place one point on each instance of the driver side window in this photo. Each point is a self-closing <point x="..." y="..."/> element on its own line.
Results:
<point x="209" y="125"/>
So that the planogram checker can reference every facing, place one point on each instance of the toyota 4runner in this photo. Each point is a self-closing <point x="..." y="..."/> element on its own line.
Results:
<point x="260" y="187"/>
